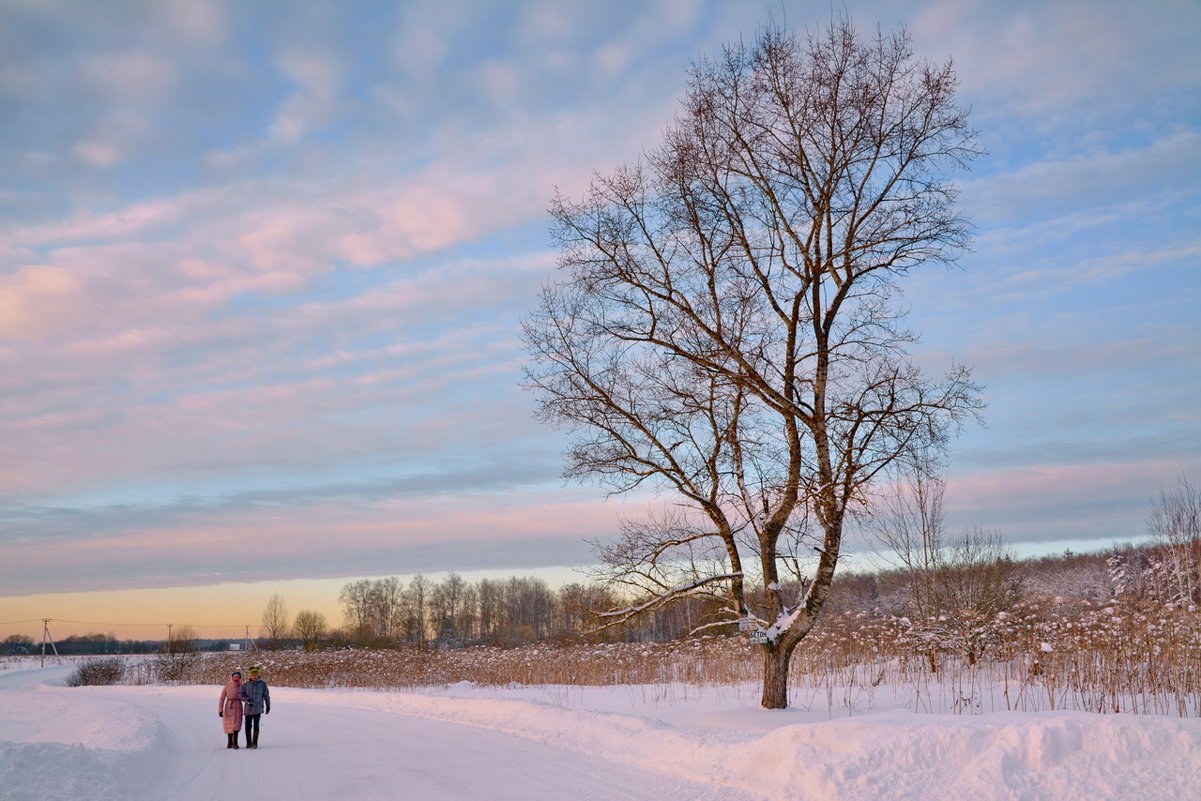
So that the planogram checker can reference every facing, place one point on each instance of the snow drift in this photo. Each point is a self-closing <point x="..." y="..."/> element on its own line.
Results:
<point x="58" y="744"/>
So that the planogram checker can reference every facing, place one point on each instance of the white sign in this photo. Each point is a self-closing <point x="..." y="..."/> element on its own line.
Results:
<point x="759" y="637"/>
<point x="745" y="624"/>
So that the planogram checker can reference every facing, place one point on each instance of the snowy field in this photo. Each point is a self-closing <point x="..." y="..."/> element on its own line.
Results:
<point x="535" y="743"/>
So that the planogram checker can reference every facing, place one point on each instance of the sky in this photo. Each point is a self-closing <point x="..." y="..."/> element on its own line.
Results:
<point x="263" y="267"/>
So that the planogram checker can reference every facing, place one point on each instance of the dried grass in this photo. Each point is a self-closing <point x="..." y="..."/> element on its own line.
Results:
<point x="1052" y="654"/>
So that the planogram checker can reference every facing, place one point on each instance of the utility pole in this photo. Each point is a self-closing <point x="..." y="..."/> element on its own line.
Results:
<point x="47" y="638"/>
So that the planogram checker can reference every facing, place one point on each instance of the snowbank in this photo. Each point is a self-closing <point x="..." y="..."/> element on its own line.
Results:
<point x="82" y="745"/>
<point x="1053" y="756"/>
<point x="1058" y="756"/>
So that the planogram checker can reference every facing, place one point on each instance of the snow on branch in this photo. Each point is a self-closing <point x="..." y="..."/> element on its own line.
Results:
<point x="788" y="617"/>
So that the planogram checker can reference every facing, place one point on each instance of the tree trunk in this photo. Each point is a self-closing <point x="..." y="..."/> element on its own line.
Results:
<point x="775" y="676"/>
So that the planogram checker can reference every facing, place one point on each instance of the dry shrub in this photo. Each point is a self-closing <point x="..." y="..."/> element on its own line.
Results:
<point x="166" y="668"/>
<point x="96" y="672"/>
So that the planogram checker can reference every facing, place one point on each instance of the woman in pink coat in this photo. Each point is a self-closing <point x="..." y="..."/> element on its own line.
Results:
<point x="229" y="708"/>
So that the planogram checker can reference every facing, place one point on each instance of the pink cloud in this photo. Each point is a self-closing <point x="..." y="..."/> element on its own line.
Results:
<point x="249" y="411"/>
<point x="33" y="297"/>
<point x="331" y="538"/>
<point x="125" y="223"/>
<point x="991" y="495"/>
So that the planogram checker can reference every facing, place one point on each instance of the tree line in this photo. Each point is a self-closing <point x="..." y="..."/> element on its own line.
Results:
<point x="77" y="644"/>
<point x="454" y="612"/>
<point x="183" y="640"/>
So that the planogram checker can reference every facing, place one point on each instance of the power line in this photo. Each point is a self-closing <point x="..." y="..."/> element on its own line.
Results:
<point x="228" y="627"/>
<point x="94" y="623"/>
<point x="136" y="625"/>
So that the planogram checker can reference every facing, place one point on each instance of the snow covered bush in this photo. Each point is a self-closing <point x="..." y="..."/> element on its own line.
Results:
<point x="96" y="671"/>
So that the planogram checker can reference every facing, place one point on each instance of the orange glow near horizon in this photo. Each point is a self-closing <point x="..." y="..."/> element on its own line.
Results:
<point x="216" y="611"/>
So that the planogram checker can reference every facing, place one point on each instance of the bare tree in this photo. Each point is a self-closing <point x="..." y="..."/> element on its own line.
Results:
<point x="578" y="605"/>
<point x="416" y="610"/>
<point x="181" y="640"/>
<point x="528" y="609"/>
<point x="979" y="575"/>
<point x="1175" y="526"/>
<point x="356" y="598"/>
<point x="275" y="621"/>
<point x="956" y="586"/>
<point x="310" y="627"/>
<point x="724" y="325"/>
<point x="467" y="625"/>
<point x="446" y="607"/>
<point x="386" y="597"/>
<point x="908" y="522"/>
<point x="490" y="609"/>
<point x="373" y="608"/>
<point x="977" y="578"/>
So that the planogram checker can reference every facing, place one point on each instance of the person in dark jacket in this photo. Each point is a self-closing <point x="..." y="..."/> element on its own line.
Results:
<point x="258" y="703"/>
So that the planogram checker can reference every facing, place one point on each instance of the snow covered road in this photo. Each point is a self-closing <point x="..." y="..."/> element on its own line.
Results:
<point x="540" y="743"/>
<point x="166" y="744"/>
<point x="320" y="752"/>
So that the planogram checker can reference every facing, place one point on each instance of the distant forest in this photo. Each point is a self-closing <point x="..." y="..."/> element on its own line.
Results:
<point x="974" y="582"/>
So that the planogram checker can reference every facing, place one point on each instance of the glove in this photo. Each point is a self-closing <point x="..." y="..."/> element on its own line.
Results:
<point x="220" y="714"/>
<point x="267" y="711"/>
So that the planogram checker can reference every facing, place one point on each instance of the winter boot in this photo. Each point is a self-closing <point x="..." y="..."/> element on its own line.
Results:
<point x="229" y="741"/>
<point x="254" y="742"/>
<point x="233" y="738"/>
